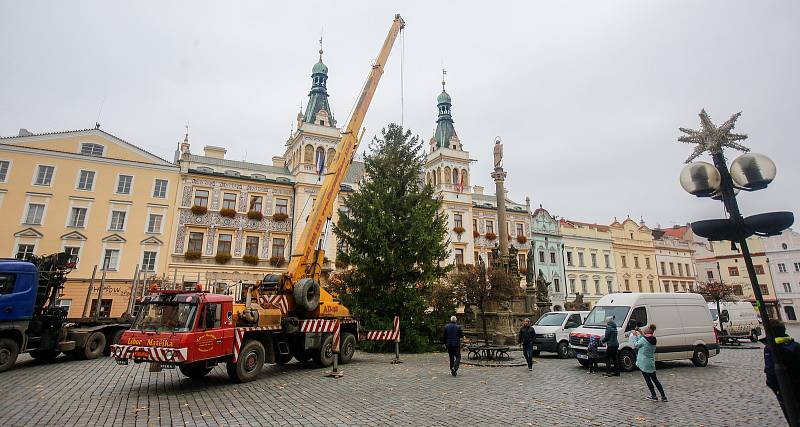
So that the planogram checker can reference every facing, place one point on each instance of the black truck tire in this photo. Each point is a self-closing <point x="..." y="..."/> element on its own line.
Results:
<point x="94" y="347"/>
<point x="9" y="350"/>
<point x="323" y="357"/>
<point x="348" y="348"/>
<point x="248" y="366"/>
<point x="195" y="370"/>
<point x="44" y="355"/>
<point x="306" y="294"/>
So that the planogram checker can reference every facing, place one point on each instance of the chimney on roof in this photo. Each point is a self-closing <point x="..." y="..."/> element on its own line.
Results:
<point x="214" y="152"/>
<point x="278" y="161"/>
<point x="477" y="189"/>
<point x="24" y="132"/>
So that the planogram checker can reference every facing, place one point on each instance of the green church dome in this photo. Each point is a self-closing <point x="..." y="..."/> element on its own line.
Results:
<point x="443" y="98"/>
<point x="319" y="67"/>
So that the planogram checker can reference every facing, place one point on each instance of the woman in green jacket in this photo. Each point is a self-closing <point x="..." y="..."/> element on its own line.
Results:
<point x="645" y="344"/>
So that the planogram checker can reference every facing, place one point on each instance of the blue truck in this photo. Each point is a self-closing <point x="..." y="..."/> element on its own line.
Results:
<point x="32" y="322"/>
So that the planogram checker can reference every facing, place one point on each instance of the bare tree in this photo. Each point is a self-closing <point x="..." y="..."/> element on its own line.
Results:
<point x="717" y="292"/>
<point x="474" y="287"/>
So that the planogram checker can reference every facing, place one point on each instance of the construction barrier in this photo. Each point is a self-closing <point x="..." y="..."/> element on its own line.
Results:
<point x="387" y="335"/>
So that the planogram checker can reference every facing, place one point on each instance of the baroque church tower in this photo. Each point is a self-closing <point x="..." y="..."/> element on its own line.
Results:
<point x="447" y="170"/>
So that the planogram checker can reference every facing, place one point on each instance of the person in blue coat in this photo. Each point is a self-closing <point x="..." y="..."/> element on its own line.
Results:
<point x="645" y="344"/>
<point x="452" y="340"/>
<point x="612" y="347"/>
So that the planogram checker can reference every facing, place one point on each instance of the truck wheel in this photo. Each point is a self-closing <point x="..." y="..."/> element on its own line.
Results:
<point x="282" y="359"/>
<point x="9" y="350"/>
<point x="626" y="360"/>
<point x="348" y="348"/>
<point x="324" y="356"/>
<point x="95" y="345"/>
<point x="306" y="294"/>
<point x="44" y="355"/>
<point x="563" y="350"/>
<point x="249" y="364"/>
<point x="700" y="356"/>
<point x="195" y="370"/>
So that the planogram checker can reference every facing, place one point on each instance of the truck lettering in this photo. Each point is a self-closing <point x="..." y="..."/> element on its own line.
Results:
<point x="205" y="343"/>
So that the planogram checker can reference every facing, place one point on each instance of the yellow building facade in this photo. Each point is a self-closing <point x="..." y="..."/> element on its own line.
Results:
<point x="93" y="195"/>
<point x="732" y="271"/>
<point x="635" y="256"/>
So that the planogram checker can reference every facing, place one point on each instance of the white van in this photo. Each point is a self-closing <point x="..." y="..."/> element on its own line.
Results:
<point x="552" y="331"/>
<point x="737" y="320"/>
<point x="684" y="327"/>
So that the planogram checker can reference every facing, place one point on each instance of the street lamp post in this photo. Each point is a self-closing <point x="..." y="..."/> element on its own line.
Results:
<point x="749" y="172"/>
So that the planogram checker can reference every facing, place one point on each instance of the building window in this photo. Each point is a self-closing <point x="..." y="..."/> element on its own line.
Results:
<point x="251" y="246"/>
<point x="520" y="230"/>
<point x="154" y="223"/>
<point x="797" y="267"/>
<point x="459" y="256"/>
<point x="86" y="180"/>
<point x="160" y="188"/>
<point x="489" y="226"/>
<point x="124" y="183"/>
<point x="44" y="175"/>
<point x="556" y="285"/>
<point x="111" y="259"/>
<point x="278" y="247"/>
<point x="710" y="274"/>
<point x="35" y="213"/>
<point x="597" y="287"/>
<point x="652" y="288"/>
<point x="4" y="165"/>
<point x="541" y="257"/>
<point x="781" y="268"/>
<point x="584" y="289"/>
<point x="624" y="262"/>
<point x="569" y="258"/>
<point x="688" y="272"/>
<point x="733" y="271"/>
<point x="680" y="269"/>
<point x="647" y="262"/>
<point x="580" y="259"/>
<point x="627" y="285"/>
<point x="764" y="289"/>
<point x="663" y="268"/>
<point x="117" y="221"/>
<point x="671" y="269"/>
<point x="282" y="206"/>
<point x="90" y="149"/>
<point x="24" y="252"/>
<point x="474" y="225"/>
<point x="224" y="243"/>
<point x="458" y="220"/>
<point x="737" y="290"/>
<point x="610" y="287"/>
<point x="477" y="257"/>
<point x="759" y="269"/>
<point x="666" y="287"/>
<point x="571" y="286"/>
<point x="77" y="217"/>
<point x="594" y="262"/>
<point x="201" y="198"/>
<point x="195" y="242"/>
<point x="552" y="257"/>
<point x="636" y="262"/>
<point x="787" y="287"/>
<point x="522" y="261"/>
<point x="639" y="285"/>
<point x="256" y="204"/>
<point x="72" y="251"/>
<point x="149" y="260"/>
<point x="229" y="201"/>
<point x="607" y="260"/>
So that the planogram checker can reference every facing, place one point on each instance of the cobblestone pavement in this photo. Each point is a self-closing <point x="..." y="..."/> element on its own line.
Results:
<point x="729" y="391"/>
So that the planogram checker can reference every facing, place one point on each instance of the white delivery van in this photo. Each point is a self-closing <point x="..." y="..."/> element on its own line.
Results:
<point x="552" y="331"/>
<point x="684" y="327"/>
<point x="736" y="320"/>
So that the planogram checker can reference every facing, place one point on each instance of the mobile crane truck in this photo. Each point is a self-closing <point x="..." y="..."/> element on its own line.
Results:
<point x="30" y="321"/>
<point x="286" y="316"/>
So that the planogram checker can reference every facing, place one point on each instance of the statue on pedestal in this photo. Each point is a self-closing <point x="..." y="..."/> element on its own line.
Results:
<point x="498" y="153"/>
<point x="542" y="290"/>
<point x="529" y="280"/>
<point x="578" y="304"/>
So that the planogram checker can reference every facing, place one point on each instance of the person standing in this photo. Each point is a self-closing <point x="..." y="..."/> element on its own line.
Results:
<point x="790" y="351"/>
<point x="526" y="338"/>
<point x="645" y="344"/>
<point x="591" y="351"/>
<point x="452" y="340"/>
<point x="612" y="347"/>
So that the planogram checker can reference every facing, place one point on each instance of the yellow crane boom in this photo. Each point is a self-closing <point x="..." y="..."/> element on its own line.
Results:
<point x="306" y="259"/>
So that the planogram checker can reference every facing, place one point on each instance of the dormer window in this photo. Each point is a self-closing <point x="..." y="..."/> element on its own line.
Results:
<point x="89" y="149"/>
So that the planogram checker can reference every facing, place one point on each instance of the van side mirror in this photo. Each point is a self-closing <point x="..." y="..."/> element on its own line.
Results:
<point x="725" y="317"/>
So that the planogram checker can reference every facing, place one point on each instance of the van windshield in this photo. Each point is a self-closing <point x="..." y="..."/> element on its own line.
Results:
<point x="597" y="318"/>
<point x="551" y="319"/>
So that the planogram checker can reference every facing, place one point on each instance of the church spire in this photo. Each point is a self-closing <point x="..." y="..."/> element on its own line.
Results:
<point x="444" y="123"/>
<point x="318" y="111"/>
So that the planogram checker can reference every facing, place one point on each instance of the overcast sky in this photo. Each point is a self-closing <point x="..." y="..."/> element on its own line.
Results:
<point x="586" y="96"/>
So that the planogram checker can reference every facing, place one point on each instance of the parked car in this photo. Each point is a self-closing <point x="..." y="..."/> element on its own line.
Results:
<point x="685" y="329"/>
<point x="736" y="320"/>
<point x="552" y="331"/>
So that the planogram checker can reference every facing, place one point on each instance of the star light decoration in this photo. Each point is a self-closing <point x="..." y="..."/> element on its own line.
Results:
<point x="711" y="138"/>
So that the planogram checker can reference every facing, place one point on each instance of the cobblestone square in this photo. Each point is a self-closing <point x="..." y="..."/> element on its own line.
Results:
<point x="420" y="391"/>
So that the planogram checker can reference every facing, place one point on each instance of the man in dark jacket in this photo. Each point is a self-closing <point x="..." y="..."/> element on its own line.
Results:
<point x="612" y="347"/>
<point x="790" y="351"/>
<point x="526" y="338"/>
<point x="452" y="339"/>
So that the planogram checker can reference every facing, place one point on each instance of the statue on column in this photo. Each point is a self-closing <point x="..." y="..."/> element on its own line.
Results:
<point x="529" y="280"/>
<point x="542" y="291"/>
<point x="498" y="153"/>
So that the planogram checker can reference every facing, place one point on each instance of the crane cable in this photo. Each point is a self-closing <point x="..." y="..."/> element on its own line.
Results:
<point x="402" y="67"/>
